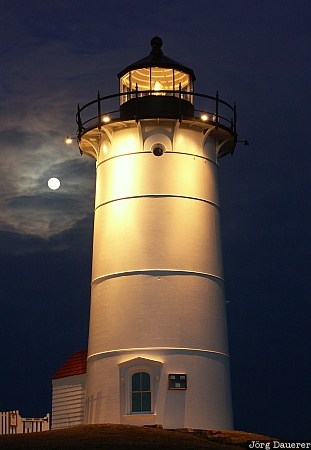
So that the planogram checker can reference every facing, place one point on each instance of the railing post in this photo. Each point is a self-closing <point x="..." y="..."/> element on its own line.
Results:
<point x="80" y="128"/>
<point x="99" y="111"/>
<point x="136" y="103"/>
<point x="179" y="95"/>
<point x="79" y="122"/>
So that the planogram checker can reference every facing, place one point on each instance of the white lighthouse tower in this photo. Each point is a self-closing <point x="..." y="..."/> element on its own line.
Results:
<point x="158" y="351"/>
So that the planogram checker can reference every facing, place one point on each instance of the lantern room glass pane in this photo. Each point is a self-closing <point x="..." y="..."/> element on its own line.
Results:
<point x="153" y="79"/>
<point x="162" y="79"/>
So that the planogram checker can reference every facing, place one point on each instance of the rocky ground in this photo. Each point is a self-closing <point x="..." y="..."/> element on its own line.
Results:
<point x="123" y="437"/>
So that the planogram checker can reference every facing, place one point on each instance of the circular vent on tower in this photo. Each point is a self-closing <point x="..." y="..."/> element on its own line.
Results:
<point x="158" y="149"/>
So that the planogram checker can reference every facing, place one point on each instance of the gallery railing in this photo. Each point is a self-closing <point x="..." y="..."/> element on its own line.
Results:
<point x="212" y="110"/>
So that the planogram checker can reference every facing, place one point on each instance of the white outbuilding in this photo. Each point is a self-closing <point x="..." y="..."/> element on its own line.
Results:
<point x="68" y="392"/>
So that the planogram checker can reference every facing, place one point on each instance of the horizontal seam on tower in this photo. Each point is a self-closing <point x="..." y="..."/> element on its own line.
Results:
<point x="141" y="349"/>
<point x="108" y="276"/>
<point x="148" y="152"/>
<point x="119" y="156"/>
<point x="159" y="196"/>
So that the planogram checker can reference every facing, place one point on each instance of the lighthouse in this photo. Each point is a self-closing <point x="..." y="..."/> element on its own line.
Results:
<point x="157" y="350"/>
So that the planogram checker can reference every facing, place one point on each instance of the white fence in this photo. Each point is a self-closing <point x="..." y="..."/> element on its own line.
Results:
<point x="12" y="423"/>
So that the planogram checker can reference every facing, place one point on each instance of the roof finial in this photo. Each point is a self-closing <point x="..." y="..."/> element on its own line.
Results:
<point x="156" y="44"/>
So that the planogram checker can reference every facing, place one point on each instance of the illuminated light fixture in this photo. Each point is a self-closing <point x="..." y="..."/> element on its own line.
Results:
<point x="68" y="140"/>
<point x="106" y="119"/>
<point x="158" y="86"/>
<point x="204" y="117"/>
<point x="105" y="149"/>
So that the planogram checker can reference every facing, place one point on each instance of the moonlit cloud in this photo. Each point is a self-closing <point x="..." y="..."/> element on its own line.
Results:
<point x="27" y="206"/>
<point x="34" y="124"/>
<point x="45" y="78"/>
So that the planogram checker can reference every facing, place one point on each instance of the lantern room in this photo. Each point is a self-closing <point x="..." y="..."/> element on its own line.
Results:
<point x="156" y="86"/>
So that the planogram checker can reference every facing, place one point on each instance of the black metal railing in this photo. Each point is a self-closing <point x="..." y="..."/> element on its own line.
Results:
<point x="217" y="111"/>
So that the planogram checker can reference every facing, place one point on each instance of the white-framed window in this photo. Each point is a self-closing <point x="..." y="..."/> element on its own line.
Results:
<point x="139" y="381"/>
<point x="141" y="393"/>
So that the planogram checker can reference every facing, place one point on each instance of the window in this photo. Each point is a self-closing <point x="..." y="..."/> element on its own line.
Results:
<point x="141" y="393"/>
<point x="139" y="384"/>
<point x="154" y="79"/>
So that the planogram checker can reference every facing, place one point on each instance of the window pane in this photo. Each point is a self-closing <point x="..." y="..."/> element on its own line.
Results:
<point x="145" y="381"/>
<point x="136" y="402"/>
<point x="141" y="395"/>
<point x="136" y="382"/>
<point x="146" y="401"/>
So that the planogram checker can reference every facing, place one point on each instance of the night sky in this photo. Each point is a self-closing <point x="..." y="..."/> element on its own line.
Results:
<point x="55" y="53"/>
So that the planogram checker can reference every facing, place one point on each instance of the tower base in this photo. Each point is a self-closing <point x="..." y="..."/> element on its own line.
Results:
<point x="200" y="399"/>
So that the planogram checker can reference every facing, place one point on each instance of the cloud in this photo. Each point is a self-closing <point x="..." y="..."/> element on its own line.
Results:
<point x="43" y="79"/>
<point x="27" y="204"/>
<point x="75" y="240"/>
<point x="39" y="112"/>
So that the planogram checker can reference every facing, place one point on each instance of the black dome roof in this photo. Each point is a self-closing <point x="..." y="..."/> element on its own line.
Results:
<point x="157" y="59"/>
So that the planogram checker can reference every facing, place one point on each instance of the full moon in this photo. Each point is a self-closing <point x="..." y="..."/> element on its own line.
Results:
<point x="53" y="183"/>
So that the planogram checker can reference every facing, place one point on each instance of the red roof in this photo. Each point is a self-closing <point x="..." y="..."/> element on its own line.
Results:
<point x="75" y="365"/>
